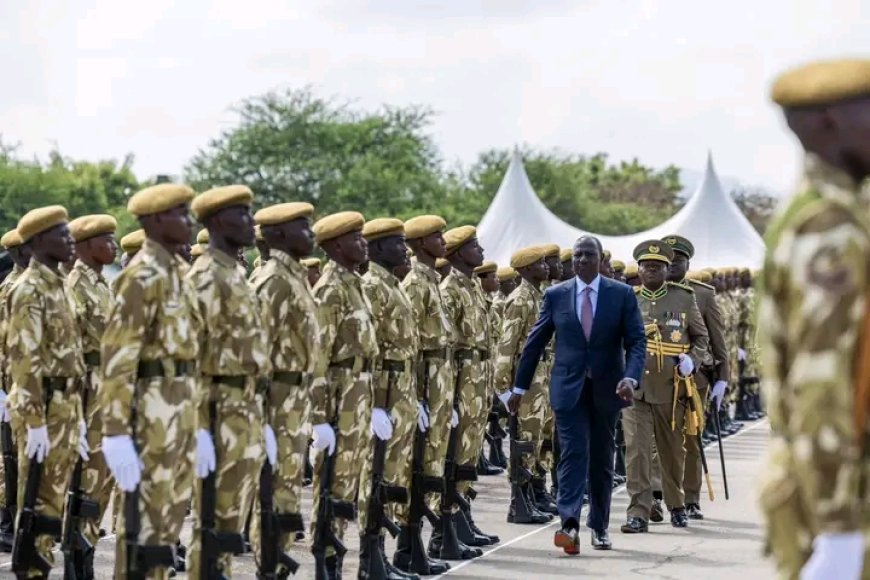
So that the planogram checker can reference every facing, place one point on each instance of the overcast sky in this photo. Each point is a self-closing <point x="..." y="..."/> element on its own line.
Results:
<point x="658" y="80"/>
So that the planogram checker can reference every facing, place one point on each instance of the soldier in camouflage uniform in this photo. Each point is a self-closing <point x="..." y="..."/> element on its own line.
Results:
<point x="424" y="235"/>
<point x="262" y="257"/>
<point x="147" y="358"/>
<point x="815" y="331"/>
<point x="344" y="408"/>
<point x="393" y="378"/>
<point x="95" y="248"/>
<point x="749" y="377"/>
<point x="234" y="363"/>
<point x="20" y="254"/>
<point x="45" y="365"/>
<point x="465" y="308"/>
<point x="487" y="280"/>
<point x="676" y="344"/>
<point x="312" y="267"/>
<point x="520" y="314"/>
<point x="289" y="315"/>
<point x="508" y="280"/>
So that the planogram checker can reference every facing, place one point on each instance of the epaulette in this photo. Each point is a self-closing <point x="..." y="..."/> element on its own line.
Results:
<point x="702" y="284"/>
<point x="637" y="289"/>
<point x="685" y="287"/>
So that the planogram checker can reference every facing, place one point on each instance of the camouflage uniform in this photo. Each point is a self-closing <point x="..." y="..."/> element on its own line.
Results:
<point x="45" y="359"/>
<point x="436" y="390"/>
<point x="289" y="316"/>
<point x="545" y="451"/>
<point x="147" y="360"/>
<point x="93" y="299"/>
<point x="674" y="325"/>
<point x="234" y="354"/>
<point x="465" y="308"/>
<point x="349" y="348"/>
<point x="813" y="302"/>
<point x="520" y="314"/>
<point x="394" y="370"/>
<point x="729" y="317"/>
<point x="5" y="378"/>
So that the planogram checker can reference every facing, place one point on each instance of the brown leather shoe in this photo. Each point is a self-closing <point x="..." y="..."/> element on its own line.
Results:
<point x="569" y="540"/>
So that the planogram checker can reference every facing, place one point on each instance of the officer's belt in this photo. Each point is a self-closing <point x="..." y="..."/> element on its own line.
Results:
<point x="56" y="383"/>
<point x="234" y="381"/>
<point x="434" y="353"/>
<point x="292" y="378"/>
<point x="92" y="359"/>
<point x="148" y="369"/>
<point x="395" y="366"/>
<point x="469" y="354"/>
<point x="660" y="349"/>
<point x="354" y="363"/>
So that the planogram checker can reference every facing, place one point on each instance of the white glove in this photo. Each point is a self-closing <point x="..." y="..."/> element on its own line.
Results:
<point x="741" y="354"/>
<point x="381" y="426"/>
<point x="84" y="448"/>
<point x="206" y="460"/>
<point x="718" y="393"/>
<point x="4" y="416"/>
<point x="123" y="461"/>
<point x="37" y="443"/>
<point x="422" y="417"/>
<point x="324" y="437"/>
<point x="504" y="398"/>
<point x="686" y="366"/>
<point x="271" y="445"/>
<point x="839" y="556"/>
<point x="454" y="419"/>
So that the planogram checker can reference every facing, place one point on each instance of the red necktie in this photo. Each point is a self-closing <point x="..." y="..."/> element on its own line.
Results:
<point x="586" y="312"/>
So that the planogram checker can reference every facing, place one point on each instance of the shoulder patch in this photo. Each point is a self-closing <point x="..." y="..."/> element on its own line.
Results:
<point x="685" y="287"/>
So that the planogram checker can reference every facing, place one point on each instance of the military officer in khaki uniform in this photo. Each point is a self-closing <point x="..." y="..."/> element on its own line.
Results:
<point x="676" y="344"/>
<point x="714" y="367"/>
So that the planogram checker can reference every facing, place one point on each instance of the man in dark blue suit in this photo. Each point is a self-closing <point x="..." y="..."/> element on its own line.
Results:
<point x="600" y="355"/>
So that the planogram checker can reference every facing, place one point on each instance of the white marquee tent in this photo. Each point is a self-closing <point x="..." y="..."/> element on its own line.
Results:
<point x="721" y="234"/>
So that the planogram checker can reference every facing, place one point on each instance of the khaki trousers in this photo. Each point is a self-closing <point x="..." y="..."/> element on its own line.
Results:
<point x="693" y="477"/>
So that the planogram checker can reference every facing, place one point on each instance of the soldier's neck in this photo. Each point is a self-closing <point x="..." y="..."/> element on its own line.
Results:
<point x="653" y="287"/>
<point x="380" y="262"/>
<point x="426" y="258"/>
<point x="463" y="267"/>
<point x="92" y="264"/>
<point x="47" y="262"/>
<point x="532" y="281"/>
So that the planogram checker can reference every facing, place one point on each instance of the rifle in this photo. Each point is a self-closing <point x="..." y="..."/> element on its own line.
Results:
<point x="520" y="476"/>
<point x="213" y="542"/>
<point x="272" y="526"/>
<point x="75" y="546"/>
<point x="711" y="379"/>
<point x="381" y="493"/>
<point x="32" y="524"/>
<point x="495" y="435"/>
<point x="10" y="467"/>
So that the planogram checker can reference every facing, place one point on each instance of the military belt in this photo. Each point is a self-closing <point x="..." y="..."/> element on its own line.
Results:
<point x="148" y="369"/>
<point x="365" y="365"/>
<point x="92" y="359"/>
<point x="292" y="378"/>
<point x="55" y="383"/>
<point x="234" y="381"/>
<point x="434" y="353"/>
<point x="395" y="366"/>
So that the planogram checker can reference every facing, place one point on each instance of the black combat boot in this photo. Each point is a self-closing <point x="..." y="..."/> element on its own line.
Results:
<point x="468" y="536"/>
<point x="7" y="533"/>
<point x="445" y="543"/>
<point x="392" y="571"/>
<point x="411" y="556"/>
<point x="484" y="467"/>
<point x="543" y="500"/>
<point x="493" y="539"/>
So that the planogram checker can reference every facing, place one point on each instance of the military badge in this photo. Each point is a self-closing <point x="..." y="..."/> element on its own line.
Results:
<point x="654" y="250"/>
<point x="676" y="336"/>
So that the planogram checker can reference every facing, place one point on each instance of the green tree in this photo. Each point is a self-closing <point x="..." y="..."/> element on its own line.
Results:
<point x="757" y="205"/>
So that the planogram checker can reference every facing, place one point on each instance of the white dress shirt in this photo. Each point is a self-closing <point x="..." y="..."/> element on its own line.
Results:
<point x="593" y="295"/>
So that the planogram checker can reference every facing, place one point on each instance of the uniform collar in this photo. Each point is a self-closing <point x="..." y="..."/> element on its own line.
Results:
<point x="287" y="261"/>
<point x="834" y="183"/>
<point x="88" y="272"/>
<point x="381" y="273"/>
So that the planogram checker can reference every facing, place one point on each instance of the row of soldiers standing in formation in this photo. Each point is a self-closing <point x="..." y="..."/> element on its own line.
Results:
<point x="182" y="370"/>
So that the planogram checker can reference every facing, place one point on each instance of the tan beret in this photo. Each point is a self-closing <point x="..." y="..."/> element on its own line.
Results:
<point x="550" y="250"/>
<point x="11" y="239"/>
<point x="458" y="237"/>
<point x="89" y="226"/>
<point x="283" y="212"/>
<point x="745" y="272"/>
<point x="441" y="263"/>
<point x="617" y="265"/>
<point x="606" y="255"/>
<point x="337" y="224"/>
<point x="158" y="198"/>
<point x="506" y="273"/>
<point x="196" y="250"/>
<point x="527" y="257"/>
<point x="705" y="277"/>
<point x="822" y="83"/>
<point x="311" y="262"/>
<point x="40" y="220"/>
<point x="486" y="268"/>
<point x="566" y="254"/>
<point x="132" y="242"/>
<point x="424" y="225"/>
<point x="631" y="270"/>
<point x="202" y="236"/>
<point x="212" y="201"/>
<point x="383" y="228"/>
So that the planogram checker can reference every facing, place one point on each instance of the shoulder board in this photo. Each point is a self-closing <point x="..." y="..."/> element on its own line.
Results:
<point x="636" y="289"/>
<point x="685" y="287"/>
<point x="701" y="284"/>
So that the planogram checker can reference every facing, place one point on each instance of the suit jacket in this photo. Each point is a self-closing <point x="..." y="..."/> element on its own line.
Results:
<point x="616" y="347"/>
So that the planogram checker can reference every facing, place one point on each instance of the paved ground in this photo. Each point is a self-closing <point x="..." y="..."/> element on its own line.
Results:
<point x="726" y="545"/>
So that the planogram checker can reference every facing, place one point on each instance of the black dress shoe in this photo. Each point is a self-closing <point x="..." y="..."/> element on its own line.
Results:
<point x="694" y="512"/>
<point x="657" y="514"/>
<point x="601" y="540"/>
<point x="679" y="519"/>
<point x="634" y="526"/>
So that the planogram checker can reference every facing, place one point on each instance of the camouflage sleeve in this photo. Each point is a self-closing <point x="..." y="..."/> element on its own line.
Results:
<point x="378" y="300"/>
<point x="713" y="321"/>
<point x="452" y="305"/>
<point x="328" y="314"/>
<point x="513" y="332"/>
<point x="812" y="307"/>
<point x="698" y="336"/>
<point x="130" y="317"/>
<point x="25" y="363"/>
<point x="272" y="299"/>
<point x="208" y="302"/>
